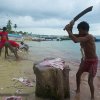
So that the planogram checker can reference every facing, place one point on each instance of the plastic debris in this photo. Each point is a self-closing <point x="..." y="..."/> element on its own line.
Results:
<point x="12" y="98"/>
<point x="25" y="81"/>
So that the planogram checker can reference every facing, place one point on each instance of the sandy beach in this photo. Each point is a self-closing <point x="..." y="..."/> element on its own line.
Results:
<point x="10" y="69"/>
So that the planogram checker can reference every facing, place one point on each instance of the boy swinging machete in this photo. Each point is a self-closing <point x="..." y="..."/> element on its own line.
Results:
<point x="89" y="59"/>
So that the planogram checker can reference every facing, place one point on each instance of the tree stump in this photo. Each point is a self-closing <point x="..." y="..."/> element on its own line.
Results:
<point x="52" y="82"/>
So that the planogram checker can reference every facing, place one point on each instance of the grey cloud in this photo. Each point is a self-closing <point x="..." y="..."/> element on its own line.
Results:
<point x="40" y="10"/>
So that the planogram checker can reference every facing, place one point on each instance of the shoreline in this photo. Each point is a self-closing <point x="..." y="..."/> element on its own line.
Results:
<point x="10" y="68"/>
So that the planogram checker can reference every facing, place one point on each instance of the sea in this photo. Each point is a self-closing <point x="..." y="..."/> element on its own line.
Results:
<point x="67" y="50"/>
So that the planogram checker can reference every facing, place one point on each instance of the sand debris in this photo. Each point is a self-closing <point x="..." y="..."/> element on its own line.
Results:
<point x="12" y="98"/>
<point x="25" y="81"/>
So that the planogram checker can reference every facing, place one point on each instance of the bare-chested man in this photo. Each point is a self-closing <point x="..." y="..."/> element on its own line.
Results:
<point x="89" y="60"/>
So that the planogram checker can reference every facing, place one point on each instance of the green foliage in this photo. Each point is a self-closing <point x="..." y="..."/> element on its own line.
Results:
<point x="9" y="28"/>
<point x="25" y="33"/>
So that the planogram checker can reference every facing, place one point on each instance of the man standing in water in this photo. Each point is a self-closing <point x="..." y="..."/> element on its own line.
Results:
<point x="89" y="60"/>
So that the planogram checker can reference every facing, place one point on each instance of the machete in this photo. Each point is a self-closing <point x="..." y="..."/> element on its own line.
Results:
<point x="82" y="13"/>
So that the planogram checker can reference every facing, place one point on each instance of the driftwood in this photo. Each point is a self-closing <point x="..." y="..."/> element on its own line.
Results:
<point x="52" y="82"/>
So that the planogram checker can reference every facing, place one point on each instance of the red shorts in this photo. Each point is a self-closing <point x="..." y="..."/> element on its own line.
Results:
<point x="89" y="65"/>
<point x="13" y="43"/>
<point x="2" y="44"/>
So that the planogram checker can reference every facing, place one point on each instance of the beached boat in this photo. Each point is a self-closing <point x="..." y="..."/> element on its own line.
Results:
<point x="38" y="39"/>
<point x="15" y="37"/>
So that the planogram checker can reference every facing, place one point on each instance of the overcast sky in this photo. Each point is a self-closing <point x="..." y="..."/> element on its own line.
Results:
<point x="48" y="16"/>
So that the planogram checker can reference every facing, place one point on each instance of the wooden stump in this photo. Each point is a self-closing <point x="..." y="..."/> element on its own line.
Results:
<point x="52" y="82"/>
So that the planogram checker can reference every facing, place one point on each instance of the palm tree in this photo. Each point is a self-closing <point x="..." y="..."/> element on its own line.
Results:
<point x="15" y="26"/>
<point x="9" y="27"/>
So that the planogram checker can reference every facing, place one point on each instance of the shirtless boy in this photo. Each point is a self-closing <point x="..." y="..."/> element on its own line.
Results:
<point x="89" y="60"/>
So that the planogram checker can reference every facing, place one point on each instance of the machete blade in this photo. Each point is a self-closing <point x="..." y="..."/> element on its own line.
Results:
<point x="83" y="13"/>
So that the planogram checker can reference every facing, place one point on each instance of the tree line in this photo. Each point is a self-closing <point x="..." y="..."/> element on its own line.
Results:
<point x="10" y="28"/>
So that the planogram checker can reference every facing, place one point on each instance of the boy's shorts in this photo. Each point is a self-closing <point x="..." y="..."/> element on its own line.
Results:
<point x="89" y="65"/>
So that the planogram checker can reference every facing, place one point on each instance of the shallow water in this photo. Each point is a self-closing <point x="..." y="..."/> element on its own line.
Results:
<point x="10" y="68"/>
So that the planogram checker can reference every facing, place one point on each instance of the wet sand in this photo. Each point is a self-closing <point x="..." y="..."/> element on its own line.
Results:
<point x="10" y="68"/>
<point x="85" y="91"/>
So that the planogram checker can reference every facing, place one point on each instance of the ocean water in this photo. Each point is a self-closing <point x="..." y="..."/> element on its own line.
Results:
<point x="66" y="50"/>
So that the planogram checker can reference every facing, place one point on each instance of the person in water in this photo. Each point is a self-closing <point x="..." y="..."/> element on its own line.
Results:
<point x="89" y="59"/>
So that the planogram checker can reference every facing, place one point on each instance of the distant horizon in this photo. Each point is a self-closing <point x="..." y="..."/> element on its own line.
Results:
<point x="54" y="31"/>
